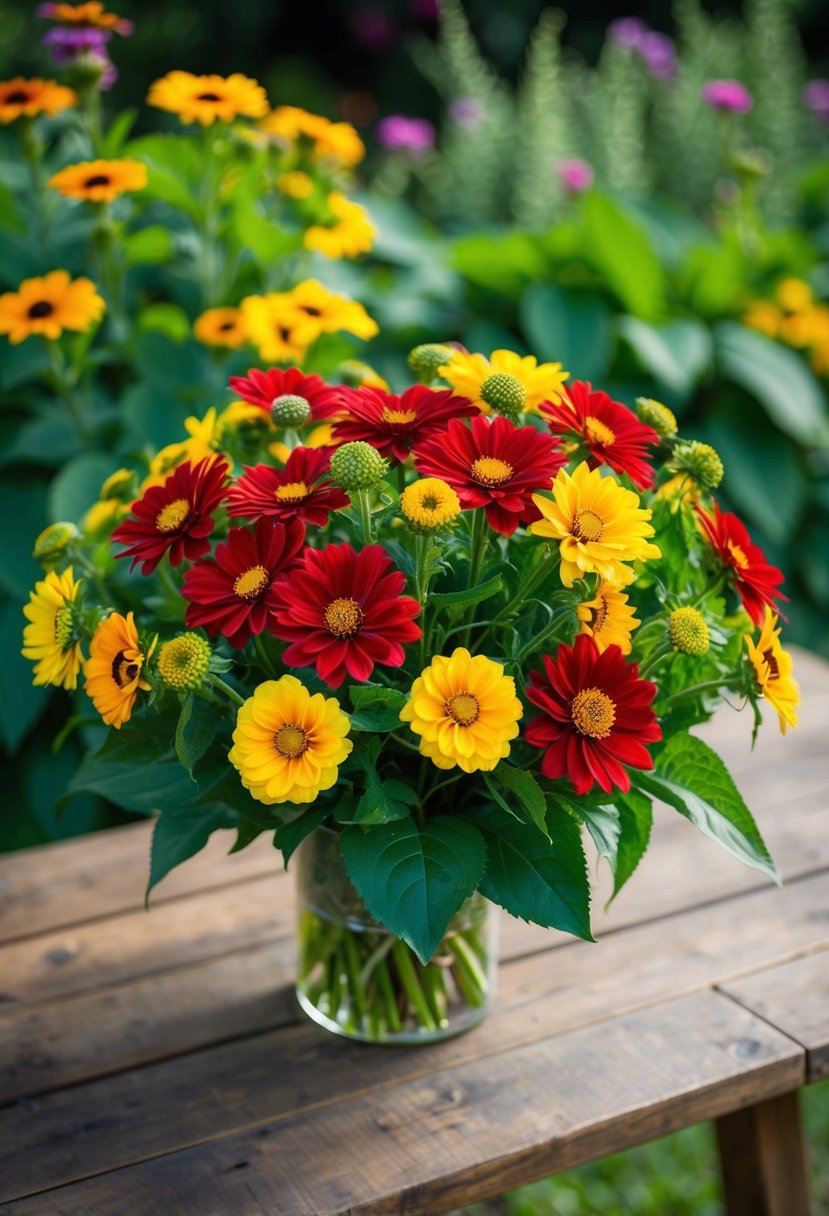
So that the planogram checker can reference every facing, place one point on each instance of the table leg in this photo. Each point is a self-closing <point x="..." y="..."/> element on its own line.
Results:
<point x="763" y="1159"/>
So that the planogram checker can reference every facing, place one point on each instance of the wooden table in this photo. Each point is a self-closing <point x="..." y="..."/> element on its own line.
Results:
<point x="156" y="1063"/>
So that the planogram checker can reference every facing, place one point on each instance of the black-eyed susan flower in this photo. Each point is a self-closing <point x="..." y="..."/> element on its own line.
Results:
<point x="295" y="184"/>
<point x="757" y="583"/>
<point x="100" y="181"/>
<point x="773" y="671"/>
<point x="184" y="662"/>
<point x="280" y="330"/>
<point x="92" y="15"/>
<point x="329" y="312"/>
<point x="429" y="504"/>
<point x="208" y="99"/>
<point x="688" y="631"/>
<point x="608" y="618"/>
<point x="21" y="98"/>
<point x="47" y="306"/>
<point x="608" y="430"/>
<point x="321" y="138"/>
<point x="464" y="711"/>
<point x="51" y="640"/>
<point x="288" y="745"/>
<point x="221" y="327"/>
<point x="113" y="671"/>
<point x="349" y="233"/>
<point x="598" y="524"/>
<point x="506" y="382"/>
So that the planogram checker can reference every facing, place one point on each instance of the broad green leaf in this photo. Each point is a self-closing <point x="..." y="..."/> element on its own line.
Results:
<point x="146" y="787"/>
<point x="263" y="237"/>
<point x="756" y="457"/>
<point x="619" y="251"/>
<point x="569" y="327"/>
<point x="148" y="245"/>
<point x="384" y="800"/>
<point x="118" y="132"/>
<point x="514" y="786"/>
<point x="164" y="318"/>
<point x="153" y="415"/>
<point x="78" y="485"/>
<point x="246" y="832"/>
<point x="194" y="731"/>
<point x="503" y="263"/>
<point x="375" y="708"/>
<point x="676" y="355"/>
<point x="413" y="880"/>
<point x="180" y="833"/>
<point x="692" y="778"/>
<point x="289" y="836"/>
<point x="635" y="821"/>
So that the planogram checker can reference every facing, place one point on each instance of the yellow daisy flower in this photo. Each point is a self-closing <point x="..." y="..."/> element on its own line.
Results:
<point x="326" y="140"/>
<point x="360" y="375"/>
<point x="287" y="744"/>
<point x="765" y="317"/>
<point x="281" y="331"/>
<point x="102" y="517"/>
<point x="429" y="504"/>
<point x="465" y="711"/>
<point x="208" y="99"/>
<point x="113" y="669"/>
<point x="221" y="327"/>
<point x="506" y="381"/>
<point x="773" y="668"/>
<point x="328" y="312"/>
<point x="608" y="619"/>
<point x="794" y="295"/>
<point x="49" y="639"/>
<point x="204" y="435"/>
<point x="351" y="234"/>
<point x="48" y="306"/>
<point x="599" y="526"/>
<point x="21" y="98"/>
<point x="296" y="185"/>
<point x="100" y="181"/>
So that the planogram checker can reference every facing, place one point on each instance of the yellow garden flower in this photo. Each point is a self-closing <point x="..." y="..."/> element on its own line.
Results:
<point x="208" y="99"/>
<point x="794" y="295"/>
<point x="281" y="331"/>
<point x="506" y="382"/>
<point x="351" y="234"/>
<point x="48" y="306"/>
<point x="119" y="485"/>
<point x="102" y="517"/>
<point x="465" y="711"/>
<point x="201" y="445"/>
<point x="328" y="312"/>
<point x="361" y="375"/>
<point x="773" y="669"/>
<point x="221" y="327"/>
<point x="296" y="184"/>
<point x="765" y="317"/>
<point x="91" y="14"/>
<point x="100" y="181"/>
<point x="52" y="543"/>
<point x="113" y="669"/>
<point x="325" y="140"/>
<point x="608" y="618"/>
<point x="599" y="526"/>
<point x="288" y="744"/>
<point x="429" y="504"/>
<point x="49" y="640"/>
<point x="21" y="98"/>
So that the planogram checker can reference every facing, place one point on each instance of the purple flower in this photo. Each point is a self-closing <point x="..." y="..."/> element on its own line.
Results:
<point x="400" y="131"/>
<point x="466" y="112"/>
<point x="728" y="96"/>
<point x="816" y="98"/>
<point x="82" y="44"/>
<point x="575" y="175"/>
<point x="627" y="31"/>
<point x="659" y="55"/>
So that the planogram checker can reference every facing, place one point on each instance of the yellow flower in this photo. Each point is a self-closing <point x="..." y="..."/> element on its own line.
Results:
<point x="328" y="312"/>
<point x="486" y="382"/>
<point x="296" y="184"/>
<point x="221" y="327"/>
<point x="765" y="317"/>
<point x="325" y="140"/>
<point x="183" y="663"/>
<point x="773" y="669"/>
<point x="100" y="181"/>
<point x="321" y="436"/>
<point x="119" y="485"/>
<point x="465" y="711"/>
<point x="92" y="13"/>
<point x="797" y="330"/>
<point x="49" y="640"/>
<point x="208" y="99"/>
<point x="113" y="669"/>
<point x="794" y="295"/>
<point x="281" y="331"/>
<point x="287" y="744"/>
<point x="102" y="517"/>
<point x="361" y="375"/>
<point x="429" y="504"/>
<point x="351" y="234"/>
<point x="598" y="524"/>
<point x="608" y="619"/>
<point x="48" y="306"/>
<point x="21" y="98"/>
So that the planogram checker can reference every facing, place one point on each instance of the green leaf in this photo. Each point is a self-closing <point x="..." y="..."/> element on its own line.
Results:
<point x="505" y="264"/>
<point x="470" y="595"/>
<point x="21" y="703"/>
<point x="692" y="778"/>
<point x="164" y="318"/>
<point x="383" y="801"/>
<point x="263" y="237"/>
<point x="289" y="836"/>
<point x="413" y="880"/>
<point x="619" y="251"/>
<point x="78" y="485"/>
<point x="246" y="832"/>
<point x="147" y="787"/>
<point x="538" y="880"/>
<point x="635" y="821"/>
<point x="148" y="245"/>
<point x="518" y="785"/>
<point x="118" y="132"/>
<point x="676" y="355"/>
<point x="375" y="708"/>
<point x="181" y="833"/>
<point x="570" y="327"/>
<point x="194" y="731"/>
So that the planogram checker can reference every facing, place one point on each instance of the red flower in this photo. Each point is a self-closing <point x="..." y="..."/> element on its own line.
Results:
<point x="234" y="592"/>
<point x="176" y="517"/>
<point x="612" y="433"/>
<point x="755" y="580"/>
<point x="393" y="425"/>
<point x="495" y="465"/>
<point x="596" y="716"/>
<point x="263" y="388"/>
<point x="343" y="612"/>
<point x="299" y="491"/>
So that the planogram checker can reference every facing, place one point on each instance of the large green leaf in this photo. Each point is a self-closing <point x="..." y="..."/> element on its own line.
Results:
<point x="147" y="787"/>
<point x="569" y="327"/>
<point x="375" y="708"/>
<point x="194" y="731"/>
<point x="412" y="879"/>
<point x="515" y="788"/>
<point x="466" y="597"/>
<point x="619" y="251"/>
<point x="78" y="485"/>
<point x="692" y="778"/>
<point x="676" y="355"/>
<point x="23" y="500"/>
<point x="635" y="822"/>
<point x="181" y="833"/>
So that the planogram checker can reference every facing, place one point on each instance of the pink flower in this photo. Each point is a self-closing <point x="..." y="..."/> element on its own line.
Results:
<point x="816" y="98"/>
<point x="400" y="131"/>
<point x="728" y="96"/>
<point x="575" y="175"/>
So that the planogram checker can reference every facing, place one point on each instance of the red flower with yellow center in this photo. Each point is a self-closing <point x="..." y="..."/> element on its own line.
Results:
<point x="755" y="580"/>
<point x="493" y="464"/>
<point x="611" y="433"/>
<point x="174" y="518"/>
<point x="234" y="593"/>
<point x="342" y="612"/>
<point x="393" y="425"/>
<point x="299" y="491"/>
<point x="265" y="388"/>
<point x="595" y="719"/>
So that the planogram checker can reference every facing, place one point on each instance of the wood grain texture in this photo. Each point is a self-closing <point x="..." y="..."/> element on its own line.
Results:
<point x="763" y="1159"/>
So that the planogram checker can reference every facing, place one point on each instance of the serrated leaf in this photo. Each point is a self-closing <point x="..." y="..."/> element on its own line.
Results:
<point x="289" y="836"/>
<point x="194" y="731"/>
<point x="414" y="879"/>
<point x="382" y="802"/>
<point x="506" y="783"/>
<point x="375" y="708"/>
<point x="246" y="832"/>
<point x="635" y="821"/>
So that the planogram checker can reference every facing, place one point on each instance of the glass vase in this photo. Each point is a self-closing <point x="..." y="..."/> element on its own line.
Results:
<point x="358" y="980"/>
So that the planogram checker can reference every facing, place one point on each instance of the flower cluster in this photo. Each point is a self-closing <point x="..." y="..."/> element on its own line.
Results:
<point x="795" y="317"/>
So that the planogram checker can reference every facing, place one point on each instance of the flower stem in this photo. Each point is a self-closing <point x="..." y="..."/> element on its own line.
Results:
<point x="365" y="515"/>
<point x="217" y="682"/>
<point x="264" y="657"/>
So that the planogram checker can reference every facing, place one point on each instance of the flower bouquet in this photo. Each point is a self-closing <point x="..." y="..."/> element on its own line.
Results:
<point x="427" y="640"/>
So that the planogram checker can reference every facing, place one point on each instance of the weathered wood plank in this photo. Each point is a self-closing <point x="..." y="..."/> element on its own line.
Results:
<point x="464" y="1133"/>
<point x="763" y="1159"/>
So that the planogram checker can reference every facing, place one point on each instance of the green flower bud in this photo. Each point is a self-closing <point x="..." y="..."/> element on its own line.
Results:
<point x="119" y="485"/>
<point x="656" y="415"/>
<point x="290" y="411"/>
<point x="505" y="394"/>
<point x="357" y="466"/>
<point x="688" y="630"/>
<point x="701" y="461"/>
<point x="425" y="360"/>
<point x="52" y="543"/>
<point x="183" y="663"/>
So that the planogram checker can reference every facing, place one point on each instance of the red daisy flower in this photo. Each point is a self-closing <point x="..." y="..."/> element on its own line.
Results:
<point x="263" y="388"/>
<point x="176" y="517"/>
<point x="493" y="464"/>
<point x="234" y="593"/>
<point x="755" y="580"/>
<point x="299" y="491"/>
<point x="343" y="612"/>
<point x="596" y="716"/>
<point x="612" y="433"/>
<point x="393" y="425"/>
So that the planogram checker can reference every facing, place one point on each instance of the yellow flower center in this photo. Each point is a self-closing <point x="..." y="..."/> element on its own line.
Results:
<point x="597" y="432"/>
<point x="292" y="491"/>
<point x="400" y="417"/>
<point x="463" y="708"/>
<point x="173" y="515"/>
<point x="124" y="670"/>
<point x="489" y="471"/>
<point x="63" y="627"/>
<point x="249" y="584"/>
<point x="344" y="618"/>
<point x="587" y="525"/>
<point x="290" y="741"/>
<point x="593" y="713"/>
<point x="738" y="555"/>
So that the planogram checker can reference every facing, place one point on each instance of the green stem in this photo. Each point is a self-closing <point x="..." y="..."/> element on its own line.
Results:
<point x="386" y="989"/>
<point x="408" y="977"/>
<point x="405" y="743"/>
<point x="264" y="658"/>
<point x="650" y="664"/>
<point x="694" y="689"/>
<point x="65" y="388"/>
<point x="32" y="146"/>
<point x="168" y="582"/>
<point x="523" y="593"/>
<point x="545" y="633"/>
<point x="365" y="514"/>
<point x="468" y="972"/>
<point x="400" y="474"/>
<point x="355" y="984"/>
<point x="226" y="689"/>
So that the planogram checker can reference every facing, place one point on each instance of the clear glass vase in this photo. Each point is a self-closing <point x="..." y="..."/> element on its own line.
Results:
<point x="358" y="980"/>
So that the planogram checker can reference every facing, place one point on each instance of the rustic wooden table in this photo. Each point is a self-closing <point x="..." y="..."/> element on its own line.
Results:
<point x="155" y="1063"/>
